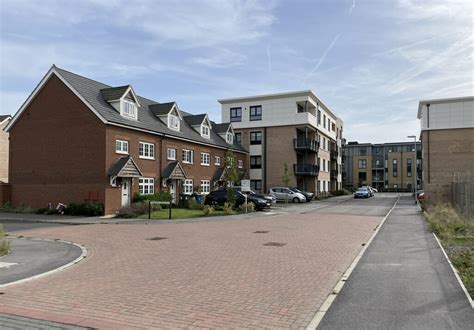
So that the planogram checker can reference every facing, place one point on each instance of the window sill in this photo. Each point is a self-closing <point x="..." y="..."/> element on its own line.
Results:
<point x="170" y="158"/>
<point x="147" y="158"/>
<point x="205" y="164"/>
<point x="187" y="163"/>
<point x="121" y="152"/>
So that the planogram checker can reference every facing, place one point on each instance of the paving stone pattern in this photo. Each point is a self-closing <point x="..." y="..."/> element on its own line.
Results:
<point x="207" y="274"/>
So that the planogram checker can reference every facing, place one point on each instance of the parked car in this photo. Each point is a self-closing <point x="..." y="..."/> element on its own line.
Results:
<point x="286" y="194"/>
<point x="371" y="190"/>
<point x="219" y="197"/>
<point x="268" y="197"/>
<point x="308" y="195"/>
<point x="362" y="192"/>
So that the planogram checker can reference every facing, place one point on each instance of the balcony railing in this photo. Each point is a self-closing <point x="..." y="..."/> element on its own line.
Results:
<point x="334" y="155"/>
<point x="334" y="174"/>
<point x="306" y="144"/>
<point x="306" y="169"/>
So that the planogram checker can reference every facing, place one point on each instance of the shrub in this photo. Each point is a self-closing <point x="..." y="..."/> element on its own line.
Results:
<point x="84" y="209"/>
<point x="134" y="211"/>
<point x="208" y="210"/>
<point x="228" y="209"/>
<point x="4" y="243"/>
<point x="250" y="207"/>
<point x="7" y="207"/>
<point x="193" y="204"/>
<point x="160" y="196"/>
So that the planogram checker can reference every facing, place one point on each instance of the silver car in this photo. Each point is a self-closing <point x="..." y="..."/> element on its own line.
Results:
<point x="284" y="194"/>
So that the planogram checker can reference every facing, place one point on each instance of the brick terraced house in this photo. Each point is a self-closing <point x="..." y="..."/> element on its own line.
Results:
<point x="79" y="140"/>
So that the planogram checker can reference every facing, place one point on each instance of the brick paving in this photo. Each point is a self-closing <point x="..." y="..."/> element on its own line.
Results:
<point x="204" y="275"/>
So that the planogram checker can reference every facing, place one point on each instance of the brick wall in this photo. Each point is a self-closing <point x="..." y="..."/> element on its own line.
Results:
<point x="3" y="153"/>
<point x="57" y="150"/>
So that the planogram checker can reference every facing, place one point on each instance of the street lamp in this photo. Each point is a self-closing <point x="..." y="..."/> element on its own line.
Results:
<point x="416" y="168"/>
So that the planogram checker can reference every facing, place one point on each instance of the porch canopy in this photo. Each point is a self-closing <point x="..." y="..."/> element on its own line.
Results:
<point x="124" y="167"/>
<point x="173" y="171"/>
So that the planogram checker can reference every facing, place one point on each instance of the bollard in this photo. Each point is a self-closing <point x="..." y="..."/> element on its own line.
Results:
<point x="149" y="210"/>
<point x="171" y="205"/>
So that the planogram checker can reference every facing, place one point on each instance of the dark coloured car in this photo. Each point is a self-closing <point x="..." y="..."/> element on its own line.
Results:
<point x="268" y="197"/>
<point x="219" y="197"/>
<point x="309" y="195"/>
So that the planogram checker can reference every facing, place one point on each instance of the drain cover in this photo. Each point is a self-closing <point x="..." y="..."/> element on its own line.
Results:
<point x="274" y="244"/>
<point x="156" y="238"/>
<point x="261" y="232"/>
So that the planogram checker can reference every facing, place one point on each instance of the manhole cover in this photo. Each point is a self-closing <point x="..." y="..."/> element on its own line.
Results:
<point x="274" y="244"/>
<point x="261" y="232"/>
<point x="156" y="238"/>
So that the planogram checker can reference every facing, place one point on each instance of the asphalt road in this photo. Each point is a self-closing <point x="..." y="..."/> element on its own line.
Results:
<point x="14" y="226"/>
<point x="402" y="282"/>
<point x="31" y="257"/>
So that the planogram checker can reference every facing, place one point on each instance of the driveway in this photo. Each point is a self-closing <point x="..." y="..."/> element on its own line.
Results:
<point x="273" y="271"/>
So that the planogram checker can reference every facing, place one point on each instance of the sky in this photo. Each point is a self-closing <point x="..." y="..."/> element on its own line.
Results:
<point x="369" y="61"/>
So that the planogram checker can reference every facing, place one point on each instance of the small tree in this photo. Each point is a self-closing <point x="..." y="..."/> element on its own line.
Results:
<point x="285" y="178"/>
<point x="231" y="175"/>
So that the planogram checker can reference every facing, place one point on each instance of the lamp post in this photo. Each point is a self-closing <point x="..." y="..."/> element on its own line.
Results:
<point x="416" y="168"/>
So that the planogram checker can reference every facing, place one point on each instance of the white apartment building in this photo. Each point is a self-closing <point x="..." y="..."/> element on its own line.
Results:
<point x="294" y="128"/>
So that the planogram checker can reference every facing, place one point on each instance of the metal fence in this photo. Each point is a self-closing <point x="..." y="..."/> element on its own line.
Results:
<point x="462" y="198"/>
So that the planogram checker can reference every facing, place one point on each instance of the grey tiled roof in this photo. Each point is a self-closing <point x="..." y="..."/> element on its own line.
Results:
<point x="194" y="120"/>
<point x="113" y="93"/>
<point x="90" y="90"/>
<point x="220" y="128"/>
<point x="160" y="109"/>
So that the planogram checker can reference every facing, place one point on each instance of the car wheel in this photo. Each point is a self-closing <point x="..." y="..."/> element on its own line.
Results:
<point x="296" y="200"/>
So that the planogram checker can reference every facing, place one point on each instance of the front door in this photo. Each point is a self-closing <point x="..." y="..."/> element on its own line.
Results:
<point x="125" y="192"/>
<point x="173" y="190"/>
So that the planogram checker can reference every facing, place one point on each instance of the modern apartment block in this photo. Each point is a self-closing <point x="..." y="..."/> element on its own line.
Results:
<point x="4" y="120"/>
<point x="78" y="140"/>
<point x="384" y="166"/>
<point x="447" y="136"/>
<point x="296" y="129"/>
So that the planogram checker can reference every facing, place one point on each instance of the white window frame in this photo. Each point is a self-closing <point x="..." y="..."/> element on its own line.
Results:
<point x="119" y="147"/>
<point x="205" y="159"/>
<point x="188" y="187"/>
<point x="185" y="158"/>
<point x="240" y="163"/>
<point x="146" y="150"/>
<point x="126" y="106"/>
<point x="173" y="122"/>
<point x="171" y="155"/>
<point x="205" y="186"/>
<point x="146" y="186"/>
<point x="205" y="131"/>
<point x="229" y="138"/>
<point x="217" y="160"/>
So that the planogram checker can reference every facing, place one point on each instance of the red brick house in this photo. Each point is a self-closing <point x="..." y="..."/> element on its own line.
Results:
<point x="79" y="140"/>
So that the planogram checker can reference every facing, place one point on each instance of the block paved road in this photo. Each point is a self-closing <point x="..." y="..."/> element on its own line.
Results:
<point x="402" y="282"/>
<point x="203" y="274"/>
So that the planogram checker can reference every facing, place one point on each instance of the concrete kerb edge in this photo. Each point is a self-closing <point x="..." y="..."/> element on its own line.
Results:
<point x="456" y="273"/>
<point x="52" y="271"/>
<point x="332" y="296"/>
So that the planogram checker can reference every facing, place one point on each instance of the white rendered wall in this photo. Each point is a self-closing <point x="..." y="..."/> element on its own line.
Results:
<point x="454" y="114"/>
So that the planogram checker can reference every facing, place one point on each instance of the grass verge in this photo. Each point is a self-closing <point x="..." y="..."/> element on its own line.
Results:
<point x="179" y="213"/>
<point x="457" y="237"/>
<point x="4" y="243"/>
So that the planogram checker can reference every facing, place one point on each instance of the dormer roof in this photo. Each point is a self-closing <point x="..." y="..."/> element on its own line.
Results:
<point x="162" y="109"/>
<point x="221" y="128"/>
<point x="116" y="93"/>
<point x="196" y="120"/>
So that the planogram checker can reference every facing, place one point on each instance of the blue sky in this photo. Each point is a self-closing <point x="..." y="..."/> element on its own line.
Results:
<point x="369" y="61"/>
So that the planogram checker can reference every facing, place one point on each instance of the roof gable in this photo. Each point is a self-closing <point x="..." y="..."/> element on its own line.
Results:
<point x="125" y="167"/>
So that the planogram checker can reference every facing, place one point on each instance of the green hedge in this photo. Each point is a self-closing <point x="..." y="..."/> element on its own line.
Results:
<point x="85" y="209"/>
<point x="161" y="196"/>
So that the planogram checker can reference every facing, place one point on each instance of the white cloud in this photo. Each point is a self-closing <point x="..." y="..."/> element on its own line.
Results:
<point x="220" y="58"/>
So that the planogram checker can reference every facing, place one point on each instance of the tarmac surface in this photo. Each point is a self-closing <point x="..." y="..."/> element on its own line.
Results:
<point x="403" y="281"/>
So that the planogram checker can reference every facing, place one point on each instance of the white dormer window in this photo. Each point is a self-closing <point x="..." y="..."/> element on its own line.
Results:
<point x="205" y="131"/>
<point x="173" y="122"/>
<point x="229" y="138"/>
<point x="128" y="109"/>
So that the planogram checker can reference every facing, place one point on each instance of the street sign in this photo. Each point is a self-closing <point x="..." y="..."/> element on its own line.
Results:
<point x="245" y="185"/>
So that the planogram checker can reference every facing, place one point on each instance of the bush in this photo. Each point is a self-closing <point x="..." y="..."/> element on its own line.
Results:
<point x="208" y="210"/>
<point x="228" y="209"/>
<point x="84" y="209"/>
<point x="193" y="204"/>
<point x="134" y="211"/>
<point x="230" y="196"/>
<point x="4" y="243"/>
<point x="250" y="207"/>
<point x="160" y="196"/>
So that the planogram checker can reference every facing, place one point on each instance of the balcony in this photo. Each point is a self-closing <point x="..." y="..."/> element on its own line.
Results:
<point x="334" y="155"/>
<point x="305" y="144"/>
<point x="306" y="169"/>
<point x="334" y="174"/>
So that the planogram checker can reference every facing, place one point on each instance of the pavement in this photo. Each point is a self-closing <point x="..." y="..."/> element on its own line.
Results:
<point x="15" y="322"/>
<point x="403" y="281"/>
<point x="254" y="271"/>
